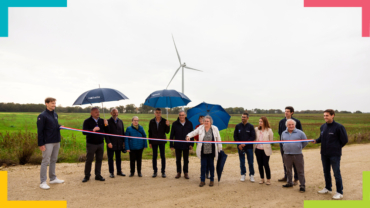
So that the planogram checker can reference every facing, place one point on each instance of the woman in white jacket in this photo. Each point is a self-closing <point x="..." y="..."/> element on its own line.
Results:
<point x="207" y="152"/>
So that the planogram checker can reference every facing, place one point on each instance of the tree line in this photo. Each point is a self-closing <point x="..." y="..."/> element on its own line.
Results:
<point x="142" y="109"/>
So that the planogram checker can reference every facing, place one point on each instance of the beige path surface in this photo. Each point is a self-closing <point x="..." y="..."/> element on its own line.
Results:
<point x="23" y="184"/>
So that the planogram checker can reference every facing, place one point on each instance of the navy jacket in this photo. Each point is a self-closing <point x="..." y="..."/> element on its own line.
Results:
<point x="48" y="128"/>
<point x="158" y="133"/>
<point x="333" y="137"/>
<point x="116" y="128"/>
<point x="282" y="126"/>
<point x="179" y="132"/>
<point x="90" y="124"/>
<point x="245" y="133"/>
<point x="135" y="144"/>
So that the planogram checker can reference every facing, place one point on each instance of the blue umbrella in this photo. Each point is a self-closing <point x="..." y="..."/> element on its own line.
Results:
<point x="222" y="156"/>
<point x="166" y="99"/>
<point x="99" y="95"/>
<point x="220" y="117"/>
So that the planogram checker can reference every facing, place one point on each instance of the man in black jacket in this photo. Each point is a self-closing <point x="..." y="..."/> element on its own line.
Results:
<point x="289" y="111"/>
<point x="180" y="129"/>
<point x="244" y="131"/>
<point x="115" y="144"/>
<point x="158" y="128"/>
<point x="48" y="133"/>
<point x="94" y="143"/>
<point x="333" y="137"/>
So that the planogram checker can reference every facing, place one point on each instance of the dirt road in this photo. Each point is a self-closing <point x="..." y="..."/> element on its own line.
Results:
<point x="23" y="182"/>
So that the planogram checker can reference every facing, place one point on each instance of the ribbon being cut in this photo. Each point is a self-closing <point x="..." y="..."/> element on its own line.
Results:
<point x="222" y="142"/>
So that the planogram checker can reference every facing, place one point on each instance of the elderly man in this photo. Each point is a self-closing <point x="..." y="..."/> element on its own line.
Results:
<point x="293" y="153"/>
<point x="94" y="143"/>
<point x="180" y="129"/>
<point x="115" y="144"/>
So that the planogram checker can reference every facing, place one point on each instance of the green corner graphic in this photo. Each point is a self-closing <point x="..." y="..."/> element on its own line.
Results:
<point x="5" y="4"/>
<point x="365" y="203"/>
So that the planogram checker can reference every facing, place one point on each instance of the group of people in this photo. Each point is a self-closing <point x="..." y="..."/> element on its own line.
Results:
<point x="333" y="137"/>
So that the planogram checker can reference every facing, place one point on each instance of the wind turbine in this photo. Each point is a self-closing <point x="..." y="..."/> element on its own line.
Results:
<point x="181" y="66"/>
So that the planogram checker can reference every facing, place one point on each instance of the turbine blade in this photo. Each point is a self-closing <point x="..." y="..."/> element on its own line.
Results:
<point x="192" y="68"/>
<point x="173" y="76"/>
<point x="178" y="56"/>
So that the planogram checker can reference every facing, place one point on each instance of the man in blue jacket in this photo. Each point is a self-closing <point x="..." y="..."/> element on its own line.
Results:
<point x="48" y="133"/>
<point x="180" y="129"/>
<point x="245" y="132"/>
<point x="289" y="111"/>
<point x="333" y="137"/>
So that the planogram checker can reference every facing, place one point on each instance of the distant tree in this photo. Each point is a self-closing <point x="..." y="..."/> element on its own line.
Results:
<point x="121" y="109"/>
<point x="130" y="108"/>
<point x="358" y="111"/>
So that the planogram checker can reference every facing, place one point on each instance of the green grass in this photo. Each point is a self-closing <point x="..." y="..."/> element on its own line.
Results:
<point x="73" y="143"/>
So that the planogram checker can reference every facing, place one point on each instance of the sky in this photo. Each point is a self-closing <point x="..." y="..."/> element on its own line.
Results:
<point x="254" y="54"/>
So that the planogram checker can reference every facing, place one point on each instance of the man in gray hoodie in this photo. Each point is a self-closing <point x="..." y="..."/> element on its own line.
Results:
<point x="293" y="153"/>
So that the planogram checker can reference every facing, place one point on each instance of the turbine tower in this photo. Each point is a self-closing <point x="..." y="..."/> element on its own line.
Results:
<point x="181" y="66"/>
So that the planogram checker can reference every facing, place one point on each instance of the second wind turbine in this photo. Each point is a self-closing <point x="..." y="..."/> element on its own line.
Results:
<point x="181" y="66"/>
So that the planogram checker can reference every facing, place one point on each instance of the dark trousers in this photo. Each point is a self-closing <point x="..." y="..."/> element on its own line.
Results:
<point x="135" y="155"/>
<point x="298" y="161"/>
<point x="207" y="162"/>
<point x="249" y="153"/>
<point x="163" y="157"/>
<point x="92" y="150"/>
<point x="185" y="154"/>
<point x="110" y="153"/>
<point x="263" y="162"/>
<point x="334" y="162"/>
<point x="294" y="168"/>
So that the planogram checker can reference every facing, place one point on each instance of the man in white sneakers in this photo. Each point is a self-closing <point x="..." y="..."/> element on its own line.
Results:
<point x="333" y="137"/>
<point x="48" y="131"/>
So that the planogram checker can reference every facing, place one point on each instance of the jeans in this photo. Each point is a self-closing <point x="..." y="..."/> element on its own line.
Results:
<point x="334" y="162"/>
<point x="185" y="154"/>
<point x="49" y="157"/>
<point x="163" y="157"/>
<point x="110" y="153"/>
<point x="249" y="153"/>
<point x="207" y="160"/>
<point x="263" y="162"/>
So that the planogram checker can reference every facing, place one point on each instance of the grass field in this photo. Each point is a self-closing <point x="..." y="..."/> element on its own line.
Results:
<point x="73" y="143"/>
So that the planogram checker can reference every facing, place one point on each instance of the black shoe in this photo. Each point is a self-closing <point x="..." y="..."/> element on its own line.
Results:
<point x="121" y="174"/>
<point x="139" y="174"/>
<point x="302" y="189"/>
<point x="287" y="185"/>
<point x="154" y="175"/>
<point x="164" y="175"/>
<point x="99" y="178"/>
<point x="86" y="179"/>
<point x="111" y="175"/>
<point x="131" y="175"/>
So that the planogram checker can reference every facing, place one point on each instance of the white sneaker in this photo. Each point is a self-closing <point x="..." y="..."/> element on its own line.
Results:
<point x="338" y="196"/>
<point x="242" y="178"/>
<point x="324" y="191"/>
<point x="251" y="178"/>
<point x="44" y="186"/>
<point x="56" y="180"/>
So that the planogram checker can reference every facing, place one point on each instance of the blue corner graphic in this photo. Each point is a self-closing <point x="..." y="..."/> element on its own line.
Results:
<point x="5" y="4"/>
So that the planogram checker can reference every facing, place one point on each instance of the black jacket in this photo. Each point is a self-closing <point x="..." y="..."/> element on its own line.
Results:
<point x="116" y="128"/>
<point x="48" y="128"/>
<point x="282" y="126"/>
<point x="333" y="137"/>
<point x="90" y="124"/>
<point x="245" y="133"/>
<point x="158" y="133"/>
<point x="179" y="132"/>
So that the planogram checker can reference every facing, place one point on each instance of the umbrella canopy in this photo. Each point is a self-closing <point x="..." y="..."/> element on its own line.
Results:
<point x="99" y="95"/>
<point x="220" y="117"/>
<point x="166" y="99"/>
<point x="222" y="156"/>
